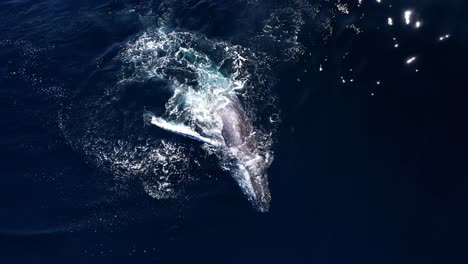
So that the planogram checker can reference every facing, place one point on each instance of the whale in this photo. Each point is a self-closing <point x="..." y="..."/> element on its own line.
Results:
<point x="237" y="146"/>
<point x="212" y="102"/>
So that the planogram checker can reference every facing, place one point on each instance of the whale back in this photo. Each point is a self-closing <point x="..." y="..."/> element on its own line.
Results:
<point x="248" y="169"/>
<point x="235" y="130"/>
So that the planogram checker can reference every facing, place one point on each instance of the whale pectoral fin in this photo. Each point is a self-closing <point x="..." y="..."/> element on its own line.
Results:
<point x="179" y="129"/>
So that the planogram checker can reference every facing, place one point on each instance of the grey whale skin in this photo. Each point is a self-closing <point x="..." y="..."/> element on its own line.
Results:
<point x="249" y="170"/>
<point x="238" y="147"/>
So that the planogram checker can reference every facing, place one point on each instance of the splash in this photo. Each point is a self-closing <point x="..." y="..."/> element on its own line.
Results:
<point x="177" y="81"/>
<point x="208" y="81"/>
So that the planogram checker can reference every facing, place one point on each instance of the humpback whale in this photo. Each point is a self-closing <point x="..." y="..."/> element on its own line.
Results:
<point x="212" y="89"/>
<point x="237" y="144"/>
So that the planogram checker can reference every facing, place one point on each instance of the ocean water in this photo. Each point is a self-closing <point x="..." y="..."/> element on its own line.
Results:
<point x="112" y="130"/>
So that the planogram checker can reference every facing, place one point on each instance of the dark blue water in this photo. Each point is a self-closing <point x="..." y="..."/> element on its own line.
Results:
<point x="370" y="153"/>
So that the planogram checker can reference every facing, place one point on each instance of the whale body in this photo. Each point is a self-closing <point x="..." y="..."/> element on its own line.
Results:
<point x="208" y="79"/>
<point x="238" y="148"/>
<point x="240" y="144"/>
